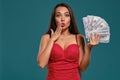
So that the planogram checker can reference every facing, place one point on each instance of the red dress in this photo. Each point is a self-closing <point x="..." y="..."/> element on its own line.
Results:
<point x="63" y="64"/>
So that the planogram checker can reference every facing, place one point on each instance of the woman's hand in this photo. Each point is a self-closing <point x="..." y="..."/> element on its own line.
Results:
<point x="94" y="39"/>
<point x="55" y="35"/>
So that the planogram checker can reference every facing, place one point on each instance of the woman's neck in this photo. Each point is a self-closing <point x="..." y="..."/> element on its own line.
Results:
<point x="65" y="32"/>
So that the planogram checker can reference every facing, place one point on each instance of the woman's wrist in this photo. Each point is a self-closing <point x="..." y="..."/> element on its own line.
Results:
<point x="51" y="40"/>
<point x="89" y="45"/>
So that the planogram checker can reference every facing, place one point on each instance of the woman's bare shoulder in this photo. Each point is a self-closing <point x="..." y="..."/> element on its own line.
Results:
<point x="81" y="40"/>
<point x="80" y="36"/>
<point x="45" y="36"/>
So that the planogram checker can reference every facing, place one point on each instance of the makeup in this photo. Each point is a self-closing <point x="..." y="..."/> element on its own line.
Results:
<point x="62" y="24"/>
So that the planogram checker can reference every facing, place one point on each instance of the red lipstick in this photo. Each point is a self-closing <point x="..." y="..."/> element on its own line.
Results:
<point x="62" y="24"/>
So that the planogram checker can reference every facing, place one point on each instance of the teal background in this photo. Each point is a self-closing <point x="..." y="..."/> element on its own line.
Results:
<point x="23" y="22"/>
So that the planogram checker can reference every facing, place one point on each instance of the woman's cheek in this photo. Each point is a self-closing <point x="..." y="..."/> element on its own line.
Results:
<point x="57" y="22"/>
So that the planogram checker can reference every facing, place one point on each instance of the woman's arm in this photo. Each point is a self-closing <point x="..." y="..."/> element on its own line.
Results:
<point x="85" y="50"/>
<point x="85" y="58"/>
<point x="44" y="50"/>
<point x="47" y="42"/>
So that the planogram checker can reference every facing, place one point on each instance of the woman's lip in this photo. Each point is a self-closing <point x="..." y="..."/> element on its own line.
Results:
<point x="62" y="24"/>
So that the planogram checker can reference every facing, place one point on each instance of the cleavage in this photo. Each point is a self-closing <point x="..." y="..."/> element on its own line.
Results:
<point x="65" y="46"/>
<point x="65" y="43"/>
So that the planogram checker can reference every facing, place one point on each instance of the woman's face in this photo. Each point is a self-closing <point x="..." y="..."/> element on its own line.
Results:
<point x="62" y="17"/>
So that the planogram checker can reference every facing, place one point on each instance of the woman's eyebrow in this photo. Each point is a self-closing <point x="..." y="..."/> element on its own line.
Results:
<point x="60" y="12"/>
<point x="66" y="12"/>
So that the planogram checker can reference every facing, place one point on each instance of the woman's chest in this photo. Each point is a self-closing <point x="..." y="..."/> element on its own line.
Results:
<point x="71" y="52"/>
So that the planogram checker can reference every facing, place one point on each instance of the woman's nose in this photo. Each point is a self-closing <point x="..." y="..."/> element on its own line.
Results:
<point x="62" y="18"/>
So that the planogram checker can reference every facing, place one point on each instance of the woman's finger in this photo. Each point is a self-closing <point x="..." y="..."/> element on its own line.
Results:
<point x="98" y="37"/>
<point x="58" y="27"/>
<point x="58" y="30"/>
<point x="51" y="31"/>
<point x="91" y="38"/>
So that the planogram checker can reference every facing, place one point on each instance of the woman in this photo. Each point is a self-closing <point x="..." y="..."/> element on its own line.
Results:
<point x="63" y="48"/>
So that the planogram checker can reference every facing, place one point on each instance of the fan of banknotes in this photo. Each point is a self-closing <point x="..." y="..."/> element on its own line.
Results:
<point x="95" y="24"/>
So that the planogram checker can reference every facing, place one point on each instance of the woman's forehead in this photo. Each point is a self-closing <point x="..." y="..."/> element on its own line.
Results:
<point x="61" y="9"/>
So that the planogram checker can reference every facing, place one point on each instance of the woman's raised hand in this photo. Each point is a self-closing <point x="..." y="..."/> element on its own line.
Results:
<point x="94" y="39"/>
<point x="55" y="35"/>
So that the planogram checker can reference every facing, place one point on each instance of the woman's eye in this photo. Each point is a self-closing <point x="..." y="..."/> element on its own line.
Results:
<point x="67" y="15"/>
<point x="57" y="15"/>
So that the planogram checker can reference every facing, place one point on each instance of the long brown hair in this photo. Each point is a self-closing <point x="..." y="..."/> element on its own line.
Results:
<point x="72" y="28"/>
